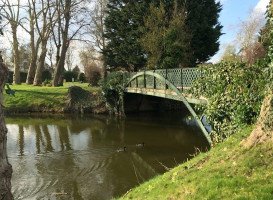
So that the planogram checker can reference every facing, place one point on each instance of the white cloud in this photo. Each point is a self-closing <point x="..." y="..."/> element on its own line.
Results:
<point x="261" y="6"/>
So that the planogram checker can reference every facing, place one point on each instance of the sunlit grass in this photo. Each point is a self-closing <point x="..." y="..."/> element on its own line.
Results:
<point x="228" y="171"/>
<point x="32" y="98"/>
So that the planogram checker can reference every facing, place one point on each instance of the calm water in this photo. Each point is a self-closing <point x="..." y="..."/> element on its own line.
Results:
<point x="77" y="154"/>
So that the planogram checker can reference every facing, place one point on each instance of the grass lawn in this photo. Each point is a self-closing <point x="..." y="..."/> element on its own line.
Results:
<point x="35" y="98"/>
<point x="228" y="171"/>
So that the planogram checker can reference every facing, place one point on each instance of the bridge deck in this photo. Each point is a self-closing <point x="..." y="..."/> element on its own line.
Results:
<point x="165" y="94"/>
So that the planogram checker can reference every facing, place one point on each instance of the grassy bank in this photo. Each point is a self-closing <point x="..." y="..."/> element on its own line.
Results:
<point x="30" y="98"/>
<point x="228" y="171"/>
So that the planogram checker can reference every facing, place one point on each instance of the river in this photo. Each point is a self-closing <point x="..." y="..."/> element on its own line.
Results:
<point x="75" y="157"/>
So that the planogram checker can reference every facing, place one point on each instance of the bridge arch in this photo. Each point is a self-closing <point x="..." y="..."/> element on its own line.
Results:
<point x="178" y="93"/>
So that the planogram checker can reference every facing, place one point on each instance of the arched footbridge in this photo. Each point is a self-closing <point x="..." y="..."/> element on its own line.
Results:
<point x="168" y="83"/>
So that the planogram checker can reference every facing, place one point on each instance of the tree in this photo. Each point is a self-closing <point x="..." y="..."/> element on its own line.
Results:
<point x="164" y="37"/>
<point x="11" y="12"/>
<point x="34" y="44"/>
<point x="5" y="167"/>
<point x="97" y="27"/>
<point x="204" y="28"/>
<point x="69" y="12"/>
<point x="44" y="30"/>
<point x="122" y="32"/>
<point x="189" y="41"/>
<point x="248" y="37"/>
<point x="230" y="54"/>
<point x="154" y="31"/>
<point x="76" y="69"/>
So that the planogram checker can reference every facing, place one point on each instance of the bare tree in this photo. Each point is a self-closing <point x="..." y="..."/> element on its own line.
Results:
<point x="5" y="167"/>
<point x="248" y="35"/>
<point x="11" y="12"/>
<point x="34" y="44"/>
<point x="70" y="14"/>
<point x="97" y="27"/>
<point x="44" y="33"/>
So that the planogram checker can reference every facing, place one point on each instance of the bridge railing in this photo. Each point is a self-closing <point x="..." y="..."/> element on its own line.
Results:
<point x="181" y="78"/>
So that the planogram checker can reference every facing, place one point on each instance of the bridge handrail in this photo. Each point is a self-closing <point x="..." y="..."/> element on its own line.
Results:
<point x="181" y="78"/>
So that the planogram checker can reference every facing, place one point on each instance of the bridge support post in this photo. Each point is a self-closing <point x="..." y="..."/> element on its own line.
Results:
<point x="144" y="79"/>
<point x="154" y="81"/>
<point x="181" y="79"/>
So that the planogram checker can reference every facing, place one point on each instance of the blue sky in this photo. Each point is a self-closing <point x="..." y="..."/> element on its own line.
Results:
<point x="234" y="12"/>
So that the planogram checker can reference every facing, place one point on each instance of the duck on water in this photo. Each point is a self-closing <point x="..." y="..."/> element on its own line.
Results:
<point x="121" y="149"/>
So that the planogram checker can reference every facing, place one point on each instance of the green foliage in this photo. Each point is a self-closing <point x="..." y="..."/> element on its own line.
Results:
<point x="122" y="32"/>
<point x="175" y="42"/>
<point x="94" y="78"/>
<point x="23" y="77"/>
<point x="47" y="83"/>
<point x="154" y="31"/>
<point x="230" y="54"/>
<point x="112" y="88"/>
<point x="235" y="92"/>
<point x="136" y="31"/>
<point x="81" y="77"/>
<point x="203" y="26"/>
<point x="68" y="75"/>
<point x="76" y="70"/>
<point x="164" y="38"/>
<point x="46" y="75"/>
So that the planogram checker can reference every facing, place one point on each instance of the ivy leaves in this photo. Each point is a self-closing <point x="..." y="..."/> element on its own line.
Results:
<point x="235" y="92"/>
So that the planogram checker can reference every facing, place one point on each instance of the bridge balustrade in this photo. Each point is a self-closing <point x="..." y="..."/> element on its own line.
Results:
<point x="181" y="78"/>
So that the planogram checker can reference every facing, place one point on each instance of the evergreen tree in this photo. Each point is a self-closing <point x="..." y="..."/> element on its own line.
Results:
<point x="203" y="25"/>
<point x="185" y="41"/>
<point x="122" y="32"/>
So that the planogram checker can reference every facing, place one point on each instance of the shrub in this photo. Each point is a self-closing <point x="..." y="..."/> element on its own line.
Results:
<point x="47" y="83"/>
<point x="81" y="77"/>
<point x="68" y="75"/>
<point x="235" y="92"/>
<point x="112" y="88"/>
<point x="46" y="75"/>
<point x="93" y="74"/>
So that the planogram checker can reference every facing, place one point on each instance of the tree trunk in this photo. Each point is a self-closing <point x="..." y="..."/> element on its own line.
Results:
<point x="58" y="81"/>
<point x="34" y="52"/>
<point x="15" y="46"/>
<point x="5" y="167"/>
<point x="40" y="67"/>
<point x="32" y="69"/>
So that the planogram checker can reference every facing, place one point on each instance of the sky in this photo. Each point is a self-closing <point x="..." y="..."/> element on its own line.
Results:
<point x="234" y="12"/>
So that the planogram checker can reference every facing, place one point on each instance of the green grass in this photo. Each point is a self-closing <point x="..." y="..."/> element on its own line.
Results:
<point x="30" y="98"/>
<point x="227" y="171"/>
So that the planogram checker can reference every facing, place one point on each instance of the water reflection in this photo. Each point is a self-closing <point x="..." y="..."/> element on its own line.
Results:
<point x="77" y="154"/>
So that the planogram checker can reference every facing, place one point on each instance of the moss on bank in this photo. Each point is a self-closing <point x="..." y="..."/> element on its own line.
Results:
<point x="228" y="171"/>
<point x="30" y="98"/>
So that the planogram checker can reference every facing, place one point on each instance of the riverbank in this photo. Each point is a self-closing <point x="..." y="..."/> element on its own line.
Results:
<point x="30" y="98"/>
<point x="227" y="171"/>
